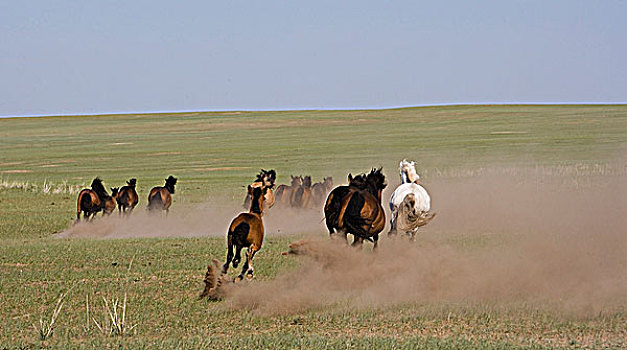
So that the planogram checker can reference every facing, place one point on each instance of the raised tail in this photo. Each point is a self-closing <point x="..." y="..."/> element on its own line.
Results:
<point x="155" y="202"/>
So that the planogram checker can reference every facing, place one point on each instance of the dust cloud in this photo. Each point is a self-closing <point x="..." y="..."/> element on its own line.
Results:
<point x="543" y="243"/>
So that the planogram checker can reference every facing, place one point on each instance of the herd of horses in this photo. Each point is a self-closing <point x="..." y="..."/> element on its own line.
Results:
<point x="355" y="208"/>
<point x="93" y="200"/>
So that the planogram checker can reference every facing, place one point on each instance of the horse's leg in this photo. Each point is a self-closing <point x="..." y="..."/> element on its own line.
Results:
<point x="238" y="256"/>
<point x="358" y="242"/>
<point x="246" y="266"/>
<point x="229" y="255"/>
<point x="393" y="219"/>
<point x="251" y="252"/>
<point x="375" y="239"/>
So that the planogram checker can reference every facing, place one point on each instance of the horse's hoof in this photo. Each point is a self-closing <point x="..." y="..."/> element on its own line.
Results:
<point x="249" y="276"/>
<point x="238" y="278"/>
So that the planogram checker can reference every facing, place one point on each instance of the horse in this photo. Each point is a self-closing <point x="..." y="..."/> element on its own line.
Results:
<point x="265" y="179"/>
<point x="285" y="193"/>
<point x="246" y="230"/>
<point x="160" y="198"/>
<point x="127" y="197"/>
<point x="303" y="197"/>
<point x="320" y="189"/>
<point x="360" y="212"/>
<point x="91" y="201"/>
<point x="410" y="203"/>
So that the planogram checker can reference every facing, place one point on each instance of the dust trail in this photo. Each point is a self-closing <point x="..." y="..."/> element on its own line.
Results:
<point x="496" y="240"/>
<point x="198" y="221"/>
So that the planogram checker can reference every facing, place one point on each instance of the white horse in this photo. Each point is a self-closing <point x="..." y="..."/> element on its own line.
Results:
<point x="410" y="203"/>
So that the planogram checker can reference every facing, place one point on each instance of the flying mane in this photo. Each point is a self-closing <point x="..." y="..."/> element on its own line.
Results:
<point x="99" y="188"/>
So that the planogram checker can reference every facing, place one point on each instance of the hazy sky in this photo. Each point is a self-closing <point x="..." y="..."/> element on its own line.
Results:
<point x="85" y="57"/>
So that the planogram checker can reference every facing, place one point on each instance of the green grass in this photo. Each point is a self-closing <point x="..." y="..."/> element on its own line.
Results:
<point x="214" y="154"/>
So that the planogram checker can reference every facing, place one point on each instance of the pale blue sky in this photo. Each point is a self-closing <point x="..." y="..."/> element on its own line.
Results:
<point x="89" y="57"/>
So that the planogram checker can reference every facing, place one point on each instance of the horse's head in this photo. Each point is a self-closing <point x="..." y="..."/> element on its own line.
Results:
<point x="114" y="191"/>
<point x="408" y="171"/>
<point x="307" y="181"/>
<point x="328" y="182"/>
<point x="267" y="177"/>
<point x="132" y="182"/>
<point x="169" y="183"/>
<point x="99" y="188"/>
<point x="257" y="193"/>
<point x="296" y="180"/>
<point x="358" y="181"/>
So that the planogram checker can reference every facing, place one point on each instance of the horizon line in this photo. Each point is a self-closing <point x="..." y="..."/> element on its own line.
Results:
<point x="313" y="109"/>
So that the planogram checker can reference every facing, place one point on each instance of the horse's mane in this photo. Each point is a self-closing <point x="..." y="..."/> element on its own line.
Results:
<point x="375" y="180"/>
<point x="99" y="188"/>
<point x="271" y="174"/>
<point x="132" y="182"/>
<point x="169" y="183"/>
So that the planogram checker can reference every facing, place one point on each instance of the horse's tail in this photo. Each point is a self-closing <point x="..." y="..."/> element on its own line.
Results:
<point x="350" y="216"/>
<point x="84" y="203"/>
<point x="155" y="202"/>
<point x="298" y="197"/>
<point x="124" y="198"/>
<point x="241" y="231"/>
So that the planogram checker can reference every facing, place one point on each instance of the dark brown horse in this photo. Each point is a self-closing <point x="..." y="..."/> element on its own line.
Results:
<point x="127" y="197"/>
<point x="284" y="193"/>
<point x="246" y="230"/>
<point x="91" y="201"/>
<point x="356" y="208"/>
<point x="160" y="198"/>
<point x="265" y="179"/>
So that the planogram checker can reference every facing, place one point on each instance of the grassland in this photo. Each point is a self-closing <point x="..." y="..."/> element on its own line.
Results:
<point x="214" y="154"/>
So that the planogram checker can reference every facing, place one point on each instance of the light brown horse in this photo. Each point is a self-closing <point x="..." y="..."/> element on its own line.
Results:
<point x="303" y="197"/>
<point x="360" y="210"/>
<point x="319" y="190"/>
<point x="265" y="178"/>
<point x="246" y="230"/>
<point x="285" y="194"/>
<point x="127" y="197"/>
<point x="160" y="198"/>
<point x="91" y="201"/>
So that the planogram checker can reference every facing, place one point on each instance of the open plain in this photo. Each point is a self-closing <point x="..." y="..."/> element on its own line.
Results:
<point x="528" y="249"/>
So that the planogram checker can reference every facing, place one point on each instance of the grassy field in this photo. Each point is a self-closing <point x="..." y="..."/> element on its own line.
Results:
<point x="44" y="160"/>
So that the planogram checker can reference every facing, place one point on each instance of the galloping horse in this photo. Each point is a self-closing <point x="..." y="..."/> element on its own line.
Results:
<point x="160" y="198"/>
<point x="127" y="197"/>
<point x="91" y="201"/>
<point x="356" y="208"/>
<point x="320" y="189"/>
<point x="302" y="197"/>
<point x="246" y="230"/>
<point x="410" y="203"/>
<point x="265" y="179"/>
<point x="285" y="194"/>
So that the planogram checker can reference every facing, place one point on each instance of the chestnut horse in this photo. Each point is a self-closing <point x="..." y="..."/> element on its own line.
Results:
<point x="160" y="198"/>
<point x="91" y="201"/>
<point x="265" y="179"/>
<point x="246" y="230"/>
<point x="127" y="197"/>
<point x="360" y="212"/>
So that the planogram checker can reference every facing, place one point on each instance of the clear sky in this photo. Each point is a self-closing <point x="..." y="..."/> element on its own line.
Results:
<point x="90" y="57"/>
